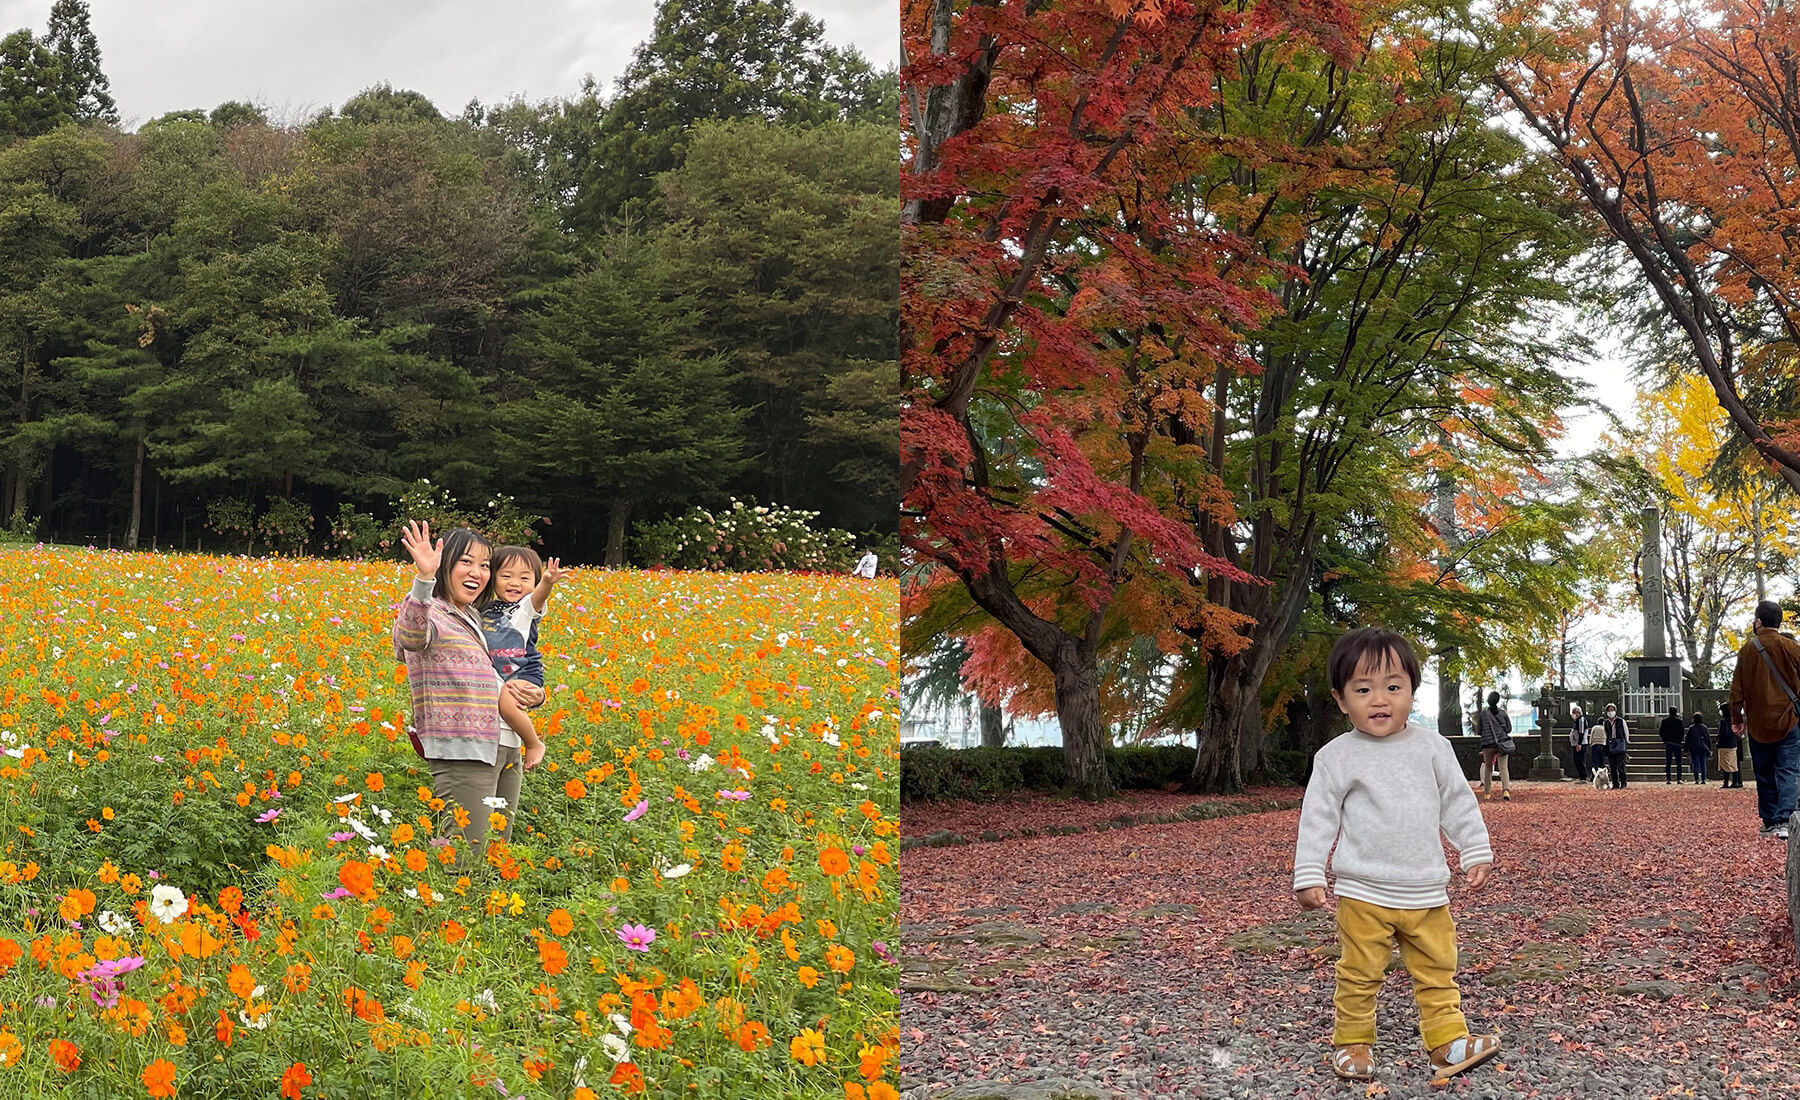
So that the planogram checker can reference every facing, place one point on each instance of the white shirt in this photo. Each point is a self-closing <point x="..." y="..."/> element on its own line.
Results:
<point x="865" y="567"/>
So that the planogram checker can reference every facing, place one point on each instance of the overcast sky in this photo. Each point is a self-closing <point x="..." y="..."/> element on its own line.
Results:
<point x="295" y="57"/>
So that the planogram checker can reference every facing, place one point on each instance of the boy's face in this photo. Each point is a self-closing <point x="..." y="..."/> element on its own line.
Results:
<point x="515" y="580"/>
<point x="1378" y="698"/>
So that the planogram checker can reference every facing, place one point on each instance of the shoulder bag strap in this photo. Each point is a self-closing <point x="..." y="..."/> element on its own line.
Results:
<point x="1775" y="672"/>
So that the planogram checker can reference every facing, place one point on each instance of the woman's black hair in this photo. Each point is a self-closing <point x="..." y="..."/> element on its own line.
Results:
<point x="1494" y="701"/>
<point x="456" y="544"/>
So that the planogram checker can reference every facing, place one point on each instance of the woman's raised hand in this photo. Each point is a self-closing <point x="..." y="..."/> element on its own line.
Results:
<point x="426" y="555"/>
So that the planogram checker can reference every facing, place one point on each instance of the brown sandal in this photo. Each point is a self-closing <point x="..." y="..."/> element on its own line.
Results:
<point x="1459" y="1055"/>
<point x="1353" y="1062"/>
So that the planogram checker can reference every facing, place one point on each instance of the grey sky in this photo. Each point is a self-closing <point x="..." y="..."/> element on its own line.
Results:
<point x="295" y="57"/>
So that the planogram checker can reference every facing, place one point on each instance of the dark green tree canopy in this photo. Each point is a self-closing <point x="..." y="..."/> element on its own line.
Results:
<point x="75" y="46"/>
<point x="35" y="97"/>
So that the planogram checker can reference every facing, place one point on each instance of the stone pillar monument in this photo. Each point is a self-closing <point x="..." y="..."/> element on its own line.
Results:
<point x="1656" y="630"/>
<point x="1546" y="767"/>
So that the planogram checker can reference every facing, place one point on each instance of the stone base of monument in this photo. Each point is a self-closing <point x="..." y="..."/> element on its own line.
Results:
<point x="1547" y="768"/>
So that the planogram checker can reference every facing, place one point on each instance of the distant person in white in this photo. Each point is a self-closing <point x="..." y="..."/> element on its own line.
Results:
<point x="865" y="567"/>
<point x="1382" y="793"/>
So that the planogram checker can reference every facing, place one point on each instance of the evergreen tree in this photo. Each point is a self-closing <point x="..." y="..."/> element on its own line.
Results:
<point x="34" y="97"/>
<point x="719" y="59"/>
<point x="75" y="46"/>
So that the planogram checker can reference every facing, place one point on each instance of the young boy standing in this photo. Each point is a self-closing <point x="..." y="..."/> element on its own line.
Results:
<point x="1382" y="793"/>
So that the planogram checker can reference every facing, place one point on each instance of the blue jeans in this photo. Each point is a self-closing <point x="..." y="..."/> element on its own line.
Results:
<point x="1777" y="768"/>
<point x="1672" y="756"/>
<point x="1697" y="760"/>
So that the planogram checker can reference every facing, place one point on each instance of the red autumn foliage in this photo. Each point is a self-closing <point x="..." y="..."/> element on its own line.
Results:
<point x="1159" y="925"/>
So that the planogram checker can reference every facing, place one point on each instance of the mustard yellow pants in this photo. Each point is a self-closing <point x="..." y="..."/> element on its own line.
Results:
<point x="1427" y="938"/>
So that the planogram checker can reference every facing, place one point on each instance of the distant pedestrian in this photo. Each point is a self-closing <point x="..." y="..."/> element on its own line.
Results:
<point x="1730" y="767"/>
<point x="1618" y="744"/>
<point x="1699" y="747"/>
<point x="1597" y="745"/>
<point x="1674" y="738"/>
<point x="1578" y="742"/>
<point x="1494" y="728"/>
<point x="865" y="567"/>
<point x="1763" y="704"/>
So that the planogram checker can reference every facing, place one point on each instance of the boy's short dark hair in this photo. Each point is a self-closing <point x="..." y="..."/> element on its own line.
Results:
<point x="1370" y="643"/>
<point x="1768" y="613"/>
<point x="506" y="555"/>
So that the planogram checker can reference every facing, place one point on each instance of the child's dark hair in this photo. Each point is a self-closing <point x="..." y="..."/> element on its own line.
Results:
<point x="506" y="555"/>
<point x="456" y="544"/>
<point x="1383" y="647"/>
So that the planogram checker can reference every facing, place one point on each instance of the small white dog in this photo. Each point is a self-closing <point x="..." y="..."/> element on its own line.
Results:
<point x="1602" y="778"/>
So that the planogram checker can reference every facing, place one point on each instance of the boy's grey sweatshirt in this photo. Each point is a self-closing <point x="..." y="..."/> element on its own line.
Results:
<point x="1384" y="801"/>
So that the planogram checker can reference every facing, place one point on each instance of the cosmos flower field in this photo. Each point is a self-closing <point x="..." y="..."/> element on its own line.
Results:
<point x="223" y="874"/>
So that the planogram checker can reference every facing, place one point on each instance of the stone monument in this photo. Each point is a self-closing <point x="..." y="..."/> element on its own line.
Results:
<point x="1653" y="681"/>
<point x="1546" y="767"/>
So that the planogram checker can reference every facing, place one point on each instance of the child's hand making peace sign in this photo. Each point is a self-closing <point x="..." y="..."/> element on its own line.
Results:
<point x="426" y="555"/>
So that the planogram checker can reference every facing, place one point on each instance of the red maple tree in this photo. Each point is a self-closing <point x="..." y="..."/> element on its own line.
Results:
<point x="1066" y="300"/>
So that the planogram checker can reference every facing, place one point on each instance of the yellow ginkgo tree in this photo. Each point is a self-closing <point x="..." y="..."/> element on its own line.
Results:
<point x="1726" y="522"/>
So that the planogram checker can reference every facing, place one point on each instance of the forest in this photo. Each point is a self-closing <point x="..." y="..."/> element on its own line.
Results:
<point x="230" y="329"/>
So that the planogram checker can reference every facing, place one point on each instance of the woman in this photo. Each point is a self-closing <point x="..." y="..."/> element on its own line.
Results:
<point x="1729" y="770"/>
<point x="455" y="691"/>
<point x="1578" y="742"/>
<point x="1492" y="726"/>
<point x="1618" y="744"/>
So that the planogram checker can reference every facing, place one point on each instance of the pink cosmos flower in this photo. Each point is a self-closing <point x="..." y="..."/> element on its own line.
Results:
<point x="267" y="817"/>
<point x="637" y="937"/>
<point x="735" y="796"/>
<point x="638" y="810"/>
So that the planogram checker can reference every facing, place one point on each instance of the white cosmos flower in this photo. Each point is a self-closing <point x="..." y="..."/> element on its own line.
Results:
<point x="343" y="798"/>
<point x="486" y="1000"/>
<point x="167" y="902"/>
<point x="494" y="802"/>
<point x="678" y="870"/>
<point x="362" y="830"/>
<point x="378" y="853"/>
<point x="116" y="925"/>
<point x="615" y="1047"/>
<point x="701" y="763"/>
<point x="621" y="1023"/>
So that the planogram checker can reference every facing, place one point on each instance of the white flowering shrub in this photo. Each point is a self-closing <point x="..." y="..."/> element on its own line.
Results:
<point x="353" y="534"/>
<point x="495" y="515"/>
<point x="744" y="538"/>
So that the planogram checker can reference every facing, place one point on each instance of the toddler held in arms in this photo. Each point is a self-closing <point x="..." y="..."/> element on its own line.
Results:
<point x="1382" y="793"/>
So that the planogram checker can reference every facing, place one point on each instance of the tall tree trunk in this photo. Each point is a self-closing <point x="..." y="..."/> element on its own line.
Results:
<point x="615" y="533"/>
<point x="137" y="498"/>
<point x="1084" y="735"/>
<point x="993" y="727"/>
<point x="1252" y="739"/>
<point x="1449" y="719"/>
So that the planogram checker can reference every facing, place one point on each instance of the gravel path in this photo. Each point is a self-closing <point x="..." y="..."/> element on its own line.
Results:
<point x="1171" y="960"/>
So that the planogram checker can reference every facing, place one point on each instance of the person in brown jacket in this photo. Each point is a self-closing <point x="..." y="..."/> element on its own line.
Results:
<point x="1764" y="705"/>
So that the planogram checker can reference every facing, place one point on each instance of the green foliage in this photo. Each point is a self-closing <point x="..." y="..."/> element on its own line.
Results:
<point x="719" y="59"/>
<point x="35" y="95"/>
<point x="744" y="539"/>
<point x="233" y="517"/>
<point x="497" y="515"/>
<point x="982" y="774"/>
<point x="354" y="534"/>
<point x="72" y="40"/>
<point x="286" y="526"/>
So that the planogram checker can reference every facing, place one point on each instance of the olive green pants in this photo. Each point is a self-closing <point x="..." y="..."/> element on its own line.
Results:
<point x="467" y="783"/>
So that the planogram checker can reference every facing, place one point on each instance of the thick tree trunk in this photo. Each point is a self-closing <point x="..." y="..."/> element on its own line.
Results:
<point x="993" y="727"/>
<point x="1251" y="738"/>
<point x="137" y="498"/>
<point x="1216" y="764"/>
<point x="615" y="533"/>
<point x="1449" y="718"/>
<point x="1084" y="735"/>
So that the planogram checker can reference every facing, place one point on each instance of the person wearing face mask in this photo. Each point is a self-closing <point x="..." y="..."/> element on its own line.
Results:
<point x="1616" y="736"/>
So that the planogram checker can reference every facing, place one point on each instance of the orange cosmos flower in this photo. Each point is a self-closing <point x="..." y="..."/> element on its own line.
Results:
<point x="295" y="1079"/>
<point x="628" y="1077"/>
<point x="833" y="861"/>
<point x="560" y="922"/>
<point x="241" y="981"/>
<point x="375" y="781"/>
<point x="840" y="958"/>
<point x="65" y="1054"/>
<point x="808" y="976"/>
<point x="159" y="1078"/>
<point x="552" y="957"/>
<point x="575" y="789"/>
<point x="358" y="878"/>
<point x="808" y="1047"/>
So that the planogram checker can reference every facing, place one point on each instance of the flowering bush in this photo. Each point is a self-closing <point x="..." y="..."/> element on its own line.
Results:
<point x="226" y="874"/>
<point x="744" y="538"/>
<point x="496" y="515"/>
<point x="286" y="526"/>
<point x="353" y="534"/>
<point x="234" y="518"/>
